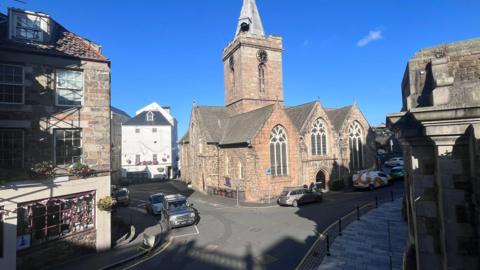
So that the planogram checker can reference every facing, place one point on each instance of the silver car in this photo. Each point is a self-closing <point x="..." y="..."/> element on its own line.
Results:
<point x="178" y="212"/>
<point x="299" y="195"/>
<point x="155" y="204"/>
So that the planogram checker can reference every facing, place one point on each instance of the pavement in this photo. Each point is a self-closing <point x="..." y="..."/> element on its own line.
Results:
<point x="368" y="243"/>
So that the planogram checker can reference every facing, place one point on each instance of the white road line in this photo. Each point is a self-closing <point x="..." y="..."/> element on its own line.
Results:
<point x="188" y="234"/>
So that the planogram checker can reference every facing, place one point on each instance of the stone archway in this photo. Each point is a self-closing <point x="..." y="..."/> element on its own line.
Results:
<point x="321" y="177"/>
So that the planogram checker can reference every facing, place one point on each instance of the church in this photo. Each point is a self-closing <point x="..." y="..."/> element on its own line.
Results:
<point x="257" y="145"/>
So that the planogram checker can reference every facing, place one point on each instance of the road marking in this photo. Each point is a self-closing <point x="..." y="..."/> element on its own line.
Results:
<point x="151" y="257"/>
<point x="188" y="234"/>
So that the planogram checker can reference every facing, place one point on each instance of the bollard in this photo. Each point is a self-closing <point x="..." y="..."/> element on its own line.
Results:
<point x="376" y="201"/>
<point x="358" y="213"/>
<point x="328" y="245"/>
<point x="391" y="194"/>
<point x="339" y="225"/>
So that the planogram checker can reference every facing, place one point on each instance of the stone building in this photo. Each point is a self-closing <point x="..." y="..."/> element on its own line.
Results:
<point x="439" y="128"/>
<point x="258" y="144"/>
<point x="54" y="112"/>
<point x="117" y="118"/>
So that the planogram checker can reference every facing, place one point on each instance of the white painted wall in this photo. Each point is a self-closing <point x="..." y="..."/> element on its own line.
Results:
<point x="146" y="144"/>
<point x="26" y="191"/>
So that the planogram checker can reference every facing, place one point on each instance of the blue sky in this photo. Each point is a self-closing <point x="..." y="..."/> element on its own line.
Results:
<point x="338" y="51"/>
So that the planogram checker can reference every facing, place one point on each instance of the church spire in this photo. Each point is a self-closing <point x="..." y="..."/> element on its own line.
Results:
<point x="250" y="22"/>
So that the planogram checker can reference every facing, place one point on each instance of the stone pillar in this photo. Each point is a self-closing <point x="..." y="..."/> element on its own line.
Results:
<point x="454" y="200"/>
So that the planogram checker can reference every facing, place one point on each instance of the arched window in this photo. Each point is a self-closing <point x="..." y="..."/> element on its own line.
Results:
<point x="319" y="139"/>
<point x="278" y="151"/>
<point x="150" y="116"/>
<point x="226" y="165"/>
<point x="240" y="170"/>
<point x="355" y="135"/>
<point x="261" y="77"/>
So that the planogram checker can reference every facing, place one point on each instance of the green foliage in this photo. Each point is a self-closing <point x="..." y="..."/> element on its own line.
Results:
<point x="43" y="169"/>
<point x="79" y="169"/>
<point x="105" y="204"/>
<point x="337" y="185"/>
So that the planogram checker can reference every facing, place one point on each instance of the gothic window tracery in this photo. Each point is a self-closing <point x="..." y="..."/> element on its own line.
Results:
<point x="261" y="78"/>
<point x="319" y="139"/>
<point x="278" y="151"/>
<point x="355" y="135"/>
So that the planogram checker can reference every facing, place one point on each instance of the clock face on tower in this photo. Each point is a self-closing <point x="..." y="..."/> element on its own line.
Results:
<point x="262" y="56"/>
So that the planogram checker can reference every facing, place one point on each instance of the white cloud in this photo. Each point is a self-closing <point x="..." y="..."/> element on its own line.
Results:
<point x="372" y="36"/>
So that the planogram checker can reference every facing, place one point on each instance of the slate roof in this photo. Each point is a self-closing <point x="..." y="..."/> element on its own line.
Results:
<point x="62" y="43"/>
<point x="243" y="127"/>
<point x="213" y="121"/>
<point x="185" y="138"/>
<point x="118" y="111"/>
<point x="221" y="125"/>
<point x="299" y="114"/>
<point x="338" y="116"/>
<point x="141" y="120"/>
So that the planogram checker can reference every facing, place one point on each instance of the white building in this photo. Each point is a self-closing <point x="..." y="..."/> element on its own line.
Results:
<point x="149" y="144"/>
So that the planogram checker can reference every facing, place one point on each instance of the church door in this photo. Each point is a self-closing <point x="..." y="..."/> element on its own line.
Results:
<point x="321" y="179"/>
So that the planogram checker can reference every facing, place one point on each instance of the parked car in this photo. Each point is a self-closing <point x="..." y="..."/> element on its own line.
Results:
<point x="299" y="195"/>
<point x="397" y="172"/>
<point x="121" y="196"/>
<point x="155" y="204"/>
<point x="394" y="162"/>
<point x="178" y="212"/>
<point x="370" y="180"/>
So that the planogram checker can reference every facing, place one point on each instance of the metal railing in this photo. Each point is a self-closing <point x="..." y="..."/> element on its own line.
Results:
<point x="321" y="247"/>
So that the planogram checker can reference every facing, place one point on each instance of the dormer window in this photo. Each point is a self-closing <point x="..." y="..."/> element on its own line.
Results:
<point x="28" y="26"/>
<point x="150" y="117"/>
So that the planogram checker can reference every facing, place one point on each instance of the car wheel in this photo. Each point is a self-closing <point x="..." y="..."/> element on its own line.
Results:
<point x="295" y="203"/>
<point x="371" y="187"/>
<point x="319" y="198"/>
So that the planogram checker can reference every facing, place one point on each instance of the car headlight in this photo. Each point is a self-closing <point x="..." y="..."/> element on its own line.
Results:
<point x="192" y="215"/>
<point x="173" y="218"/>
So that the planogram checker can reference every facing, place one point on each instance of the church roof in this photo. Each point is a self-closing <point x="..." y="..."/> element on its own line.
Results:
<point x="299" y="114"/>
<point x="221" y="125"/>
<point x="141" y="120"/>
<point x="338" y="116"/>
<point x="212" y="121"/>
<point x="243" y="127"/>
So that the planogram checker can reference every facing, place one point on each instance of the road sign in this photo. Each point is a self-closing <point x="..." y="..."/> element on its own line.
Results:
<point x="268" y="171"/>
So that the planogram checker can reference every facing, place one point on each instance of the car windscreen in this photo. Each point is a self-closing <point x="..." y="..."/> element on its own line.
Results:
<point x="122" y="193"/>
<point x="157" y="199"/>
<point x="284" y="193"/>
<point x="177" y="204"/>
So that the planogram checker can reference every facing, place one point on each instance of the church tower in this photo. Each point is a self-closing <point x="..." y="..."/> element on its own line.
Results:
<point x="252" y="64"/>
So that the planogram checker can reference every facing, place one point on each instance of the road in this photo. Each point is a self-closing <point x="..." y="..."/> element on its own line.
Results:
<point x="228" y="237"/>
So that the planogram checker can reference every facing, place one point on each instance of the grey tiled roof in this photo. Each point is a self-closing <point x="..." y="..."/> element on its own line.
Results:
<point x="243" y="127"/>
<point x="212" y="120"/>
<point x="141" y="120"/>
<point x="299" y="114"/>
<point x="118" y="111"/>
<point x="338" y="116"/>
<point x="185" y="138"/>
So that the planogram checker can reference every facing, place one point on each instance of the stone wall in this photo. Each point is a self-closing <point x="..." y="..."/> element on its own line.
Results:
<point x="242" y="85"/>
<point x="39" y="116"/>
<point x="57" y="251"/>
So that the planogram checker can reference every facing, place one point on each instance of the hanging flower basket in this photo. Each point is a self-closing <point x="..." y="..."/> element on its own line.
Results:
<point x="79" y="169"/>
<point x="43" y="169"/>
<point x="105" y="204"/>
